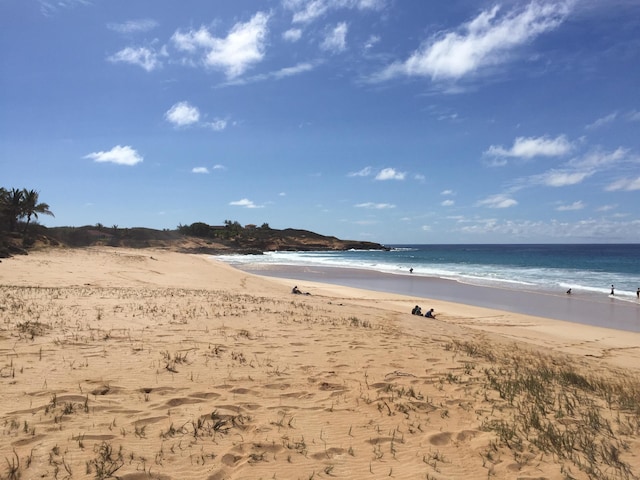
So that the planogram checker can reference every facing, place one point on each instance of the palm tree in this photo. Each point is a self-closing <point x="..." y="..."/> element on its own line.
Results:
<point x="12" y="201"/>
<point x="31" y="206"/>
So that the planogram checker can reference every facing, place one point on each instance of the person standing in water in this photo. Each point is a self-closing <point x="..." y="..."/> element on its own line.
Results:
<point x="612" y="290"/>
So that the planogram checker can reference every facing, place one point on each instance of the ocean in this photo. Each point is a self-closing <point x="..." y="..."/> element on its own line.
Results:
<point x="530" y="279"/>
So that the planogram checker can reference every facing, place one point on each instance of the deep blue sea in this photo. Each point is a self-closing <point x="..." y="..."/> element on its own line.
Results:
<point x="586" y="269"/>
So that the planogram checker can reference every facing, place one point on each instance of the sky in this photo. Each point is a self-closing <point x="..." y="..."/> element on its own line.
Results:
<point x="392" y="121"/>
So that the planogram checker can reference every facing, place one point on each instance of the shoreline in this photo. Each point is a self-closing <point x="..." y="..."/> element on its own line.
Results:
<point x="607" y="312"/>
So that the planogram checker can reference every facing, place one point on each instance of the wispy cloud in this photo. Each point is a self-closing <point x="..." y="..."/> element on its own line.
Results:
<point x="624" y="184"/>
<point x="133" y="26"/>
<point x="530" y="147"/>
<point x="336" y="39"/>
<point x="245" y="202"/>
<point x="375" y="206"/>
<point x="606" y="208"/>
<point x="489" y="39"/>
<point x="200" y="170"/>
<point x="579" y="205"/>
<point x="292" y="35"/>
<point x="306" y="11"/>
<point x="447" y="203"/>
<point x="118" y="155"/>
<point x="578" y="169"/>
<point x="243" y="47"/>
<point x="633" y="116"/>
<point x="561" y="178"/>
<point x="384" y="174"/>
<point x="497" y="201"/>
<point x="599" y="159"/>
<point x="285" y="72"/>
<point x="365" y="172"/>
<point x="587" y="230"/>
<point x="50" y="7"/>
<point x="601" y="122"/>
<point x="144" y="57"/>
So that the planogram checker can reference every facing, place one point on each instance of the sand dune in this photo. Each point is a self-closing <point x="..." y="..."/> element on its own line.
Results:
<point x="139" y="364"/>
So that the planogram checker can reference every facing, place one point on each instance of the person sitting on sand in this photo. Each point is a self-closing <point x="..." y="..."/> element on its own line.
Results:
<point x="416" y="311"/>
<point x="296" y="290"/>
<point x="430" y="314"/>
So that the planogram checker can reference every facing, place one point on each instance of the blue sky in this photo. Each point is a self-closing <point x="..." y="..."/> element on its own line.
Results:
<point x="395" y="121"/>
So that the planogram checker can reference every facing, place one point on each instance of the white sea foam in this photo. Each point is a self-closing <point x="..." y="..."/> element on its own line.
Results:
<point x="399" y="260"/>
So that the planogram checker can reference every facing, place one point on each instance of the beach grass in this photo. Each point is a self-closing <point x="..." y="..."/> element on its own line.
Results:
<point x="150" y="380"/>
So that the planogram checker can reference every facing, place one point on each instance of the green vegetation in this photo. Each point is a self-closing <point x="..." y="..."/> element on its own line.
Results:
<point x="19" y="205"/>
<point x="18" y="232"/>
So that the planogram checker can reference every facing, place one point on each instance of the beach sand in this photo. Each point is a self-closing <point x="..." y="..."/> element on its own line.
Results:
<point x="135" y="364"/>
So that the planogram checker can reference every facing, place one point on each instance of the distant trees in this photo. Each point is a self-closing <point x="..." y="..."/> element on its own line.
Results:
<point x="231" y="229"/>
<point x="20" y="204"/>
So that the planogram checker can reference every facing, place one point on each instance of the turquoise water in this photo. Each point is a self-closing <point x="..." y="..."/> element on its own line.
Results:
<point x="586" y="269"/>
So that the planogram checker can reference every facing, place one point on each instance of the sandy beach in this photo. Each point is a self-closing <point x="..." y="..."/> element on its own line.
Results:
<point x="136" y="364"/>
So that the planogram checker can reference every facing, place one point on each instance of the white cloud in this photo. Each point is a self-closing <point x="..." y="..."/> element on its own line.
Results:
<point x="497" y="201"/>
<point x="562" y="178"/>
<point x="447" y="192"/>
<point x="133" y="26"/>
<point x="295" y="70"/>
<point x="183" y="114"/>
<point x="217" y="125"/>
<point x="292" y="35"/>
<point x="586" y="230"/>
<point x="448" y="203"/>
<point x="118" y="155"/>
<point x="625" y="184"/>
<point x="219" y="167"/>
<point x="487" y="40"/>
<point x="143" y="57"/>
<point x="243" y="47"/>
<point x="600" y="159"/>
<point x="390" y="174"/>
<point x="48" y="7"/>
<point x="365" y="172"/>
<point x="200" y="170"/>
<point x="579" y="205"/>
<point x="376" y="206"/>
<point x="633" y="116"/>
<point x="277" y="75"/>
<point x="580" y="168"/>
<point x="606" y="208"/>
<point x="600" y="122"/>
<point x="371" y="41"/>
<point x="529" y="147"/>
<point x="336" y="40"/>
<point x="306" y="11"/>
<point x="245" y="202"/>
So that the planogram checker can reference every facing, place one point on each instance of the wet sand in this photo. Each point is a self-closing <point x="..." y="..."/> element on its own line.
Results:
<point x="607" y="311"/>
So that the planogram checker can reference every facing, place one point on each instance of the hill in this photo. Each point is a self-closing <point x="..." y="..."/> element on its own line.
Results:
<point x="195" y="238"/>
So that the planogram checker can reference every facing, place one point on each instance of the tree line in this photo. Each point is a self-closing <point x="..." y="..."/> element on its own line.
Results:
<point x="229" y="230"/>
<point x="18" y="207"/>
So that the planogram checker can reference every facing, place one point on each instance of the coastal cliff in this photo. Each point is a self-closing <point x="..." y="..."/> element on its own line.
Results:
<point x="196" y="238"/>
